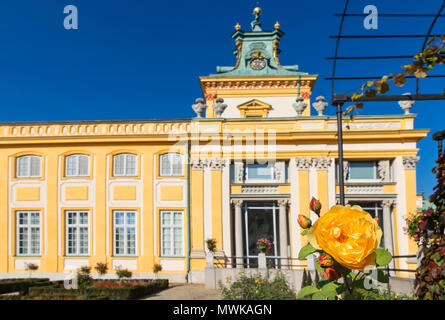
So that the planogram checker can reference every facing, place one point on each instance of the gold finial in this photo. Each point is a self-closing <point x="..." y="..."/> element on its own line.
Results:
<point x="257" y="11"/>
<point x="277" y="25"/>
<point x="237" y="27"/>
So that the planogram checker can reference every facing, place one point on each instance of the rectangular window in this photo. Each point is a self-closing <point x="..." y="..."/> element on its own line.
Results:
<point x="28" y="167"/>
<point x="124" y="233"/>
<point x="362" y="170"/>
<point x="172" y="239"/>
<point x="124" y="165"/>
<point x="28" y="233"/>
<point x="77" y="233"/>
<point x="77" y="165"/>
<point x="171" y="164"/>
<point x="260" y="171"/>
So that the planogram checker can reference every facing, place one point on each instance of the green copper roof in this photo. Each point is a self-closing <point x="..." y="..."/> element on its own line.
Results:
<point x="257" y="53"/>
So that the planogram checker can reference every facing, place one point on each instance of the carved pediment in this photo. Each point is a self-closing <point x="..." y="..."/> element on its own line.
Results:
<point x="254" y="108"/>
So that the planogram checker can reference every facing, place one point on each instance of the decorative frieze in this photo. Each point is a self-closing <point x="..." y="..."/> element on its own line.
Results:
<point x="409" y="163"/>
<point x="259" y="189"/>
<point x="364" y="189"/>
<point x="322" y="163"/>
<point x="213" y="164"/>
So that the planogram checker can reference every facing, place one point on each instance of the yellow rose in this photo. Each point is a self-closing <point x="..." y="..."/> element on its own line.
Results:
<point x="349" y="234"/>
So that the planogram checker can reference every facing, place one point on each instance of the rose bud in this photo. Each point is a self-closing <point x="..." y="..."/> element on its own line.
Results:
<point x="315" y="206"/>
<point x="332" y="274"/>
<point x="304" y="221"/>
<point x="326" y="261"/>
<point x="376" y="219"/>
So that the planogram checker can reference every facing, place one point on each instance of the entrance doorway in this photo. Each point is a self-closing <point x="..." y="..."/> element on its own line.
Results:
<point x="260" y="221"/>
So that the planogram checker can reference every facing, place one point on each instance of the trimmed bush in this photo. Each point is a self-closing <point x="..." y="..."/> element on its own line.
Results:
<point x="21" y="285"/>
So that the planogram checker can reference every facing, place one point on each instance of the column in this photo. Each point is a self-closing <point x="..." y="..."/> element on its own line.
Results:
<point x="238" y="232"/>
<point x="322" y="166"/>
<point x="387" y="228"/>
<point x="283" y="203"/>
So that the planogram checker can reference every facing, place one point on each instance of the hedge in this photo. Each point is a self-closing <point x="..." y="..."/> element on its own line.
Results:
<point x="21" y="285"/>
<point x="125" y="293"/>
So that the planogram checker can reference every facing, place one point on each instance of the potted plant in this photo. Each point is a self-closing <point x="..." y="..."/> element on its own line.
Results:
<point x="101" y="268"/>
<point x="156" y="269"/>
<point x="211" y="247"/>
<point x="263" y="245"/>
<point x="31" y="267"/>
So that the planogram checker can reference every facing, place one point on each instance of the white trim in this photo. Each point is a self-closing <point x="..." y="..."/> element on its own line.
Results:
<point x="141" y="212"/>
<point x="313" y="190"/>
<point x="155" y="213"/>
<point x="107" y="207"/>
<point x="124" y="225"/>
<point x="172" y="226"/>
<point x="331" y="186"/>
<point x="125" y="165"/>
<point x="294" y="208"/>
<point x="93" y="200"/>
<point x="59" y="209"/>
<point x="207" y="204"/>
<point x="226" y="211"/>
<point x="399" y="175"/>
<point x="77" y="226"/>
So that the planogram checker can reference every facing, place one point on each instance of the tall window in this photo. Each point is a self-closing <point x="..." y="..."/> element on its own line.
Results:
<point x="28" y="233"/>
<point x="362" y="170"/>
<point x="172" y="164"/>
<point x="376" y="211"/>
<point x="76" y="165"/>
<point x="172" y="239"/>
<point x="77" y="226"/>
<point x="28" y="167"/>
<point x="124" y="233"/>
<point x="125" y="165"/>
<point x="260" y="171"/>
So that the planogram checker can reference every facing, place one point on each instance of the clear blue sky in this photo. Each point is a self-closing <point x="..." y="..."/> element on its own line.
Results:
<point x="141" y="59"/>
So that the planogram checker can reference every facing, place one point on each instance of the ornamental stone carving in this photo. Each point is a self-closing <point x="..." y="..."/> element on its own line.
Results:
<point x="322" y="163"/>
<point x="303" y="163"/>
<point x="364" y="189"/>
<point x="383" y="169"/>
<point x="299" y="106"/>
<point x="200" y="107"/>
<point x="388" y="203"/>
<point x="283" y="202"/>
<point x="345" y="170"/>
<point x="259" y="189"/>
<point x="197" y="164"/>
<point x="320" y="105"/>
<point x="406" y="105"/>
<point x="280" y="175"/>
<point x="239" y="172"/>
<point x="409" y="163"/>
<point x="219" y="107"/>
<point x="237" y="202"/>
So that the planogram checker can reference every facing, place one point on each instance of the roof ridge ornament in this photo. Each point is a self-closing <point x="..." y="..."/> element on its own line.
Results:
<point x="256" y="25"/>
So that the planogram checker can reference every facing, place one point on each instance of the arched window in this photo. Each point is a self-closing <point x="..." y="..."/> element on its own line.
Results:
<point x="76" y="165"/>
<point x="172" y="164"/>
<point x="29" y="167"/>
<point x="124" y="165"/>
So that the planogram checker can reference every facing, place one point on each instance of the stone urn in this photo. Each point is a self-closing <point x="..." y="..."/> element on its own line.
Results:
<point x="219" y="107"/>
<point x="200" y="107"/>
<point x="320" y="105"/>
<point x="209" y="259"/>
<point x="299" y="106"/>
<point x="406" y="105"/>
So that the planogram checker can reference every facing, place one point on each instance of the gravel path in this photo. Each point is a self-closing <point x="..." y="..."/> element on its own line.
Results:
<point x="179" y="291"/>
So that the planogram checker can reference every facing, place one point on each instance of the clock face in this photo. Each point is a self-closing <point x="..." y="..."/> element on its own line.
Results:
<point x="258" y="63"/>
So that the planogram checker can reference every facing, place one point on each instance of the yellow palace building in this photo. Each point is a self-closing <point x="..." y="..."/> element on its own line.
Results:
<point x="133" y="194"/>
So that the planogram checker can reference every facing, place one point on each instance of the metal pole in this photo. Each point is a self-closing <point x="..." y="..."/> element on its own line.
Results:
<point x="340" y="153"/>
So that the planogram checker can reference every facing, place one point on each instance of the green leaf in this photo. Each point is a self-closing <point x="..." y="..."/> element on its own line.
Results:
<point x="330" y="289"/>
<point x="382" y="276"/>
<point x="341" y="269"/>
<point x="318" y="296"/>
<point x="318" y="267"/>
<point x="304" y="232"/>
<point x="305" y="251"/>
<point x="383" y="257"/>
<point x="306" y="291"/>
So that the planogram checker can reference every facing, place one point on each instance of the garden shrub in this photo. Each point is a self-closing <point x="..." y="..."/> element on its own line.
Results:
<point x="256" y="287"/>
<point x="21" y="285"/>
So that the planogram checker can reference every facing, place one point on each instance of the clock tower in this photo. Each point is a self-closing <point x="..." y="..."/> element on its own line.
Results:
<point x="258" y="75"/>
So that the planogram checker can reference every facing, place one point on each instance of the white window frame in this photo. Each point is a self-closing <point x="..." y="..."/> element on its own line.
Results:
<point x="28" y="227"/>
<point x="125" y="225"/>
<point x="272" y="171"/>
<point x="168" y="172"/>
<point x="29" y="166"/>
<point x="125" y="166"/>
<point x="77" y="226"/>
<point x="171" y="226"/>
<point x="375" y="179"/>
<point x="77" y="158"/>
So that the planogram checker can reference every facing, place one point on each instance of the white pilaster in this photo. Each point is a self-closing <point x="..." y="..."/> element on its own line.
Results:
<point x="226" y="212"/>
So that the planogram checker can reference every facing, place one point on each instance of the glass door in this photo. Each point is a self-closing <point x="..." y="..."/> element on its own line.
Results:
<point x="260" y="221"/>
